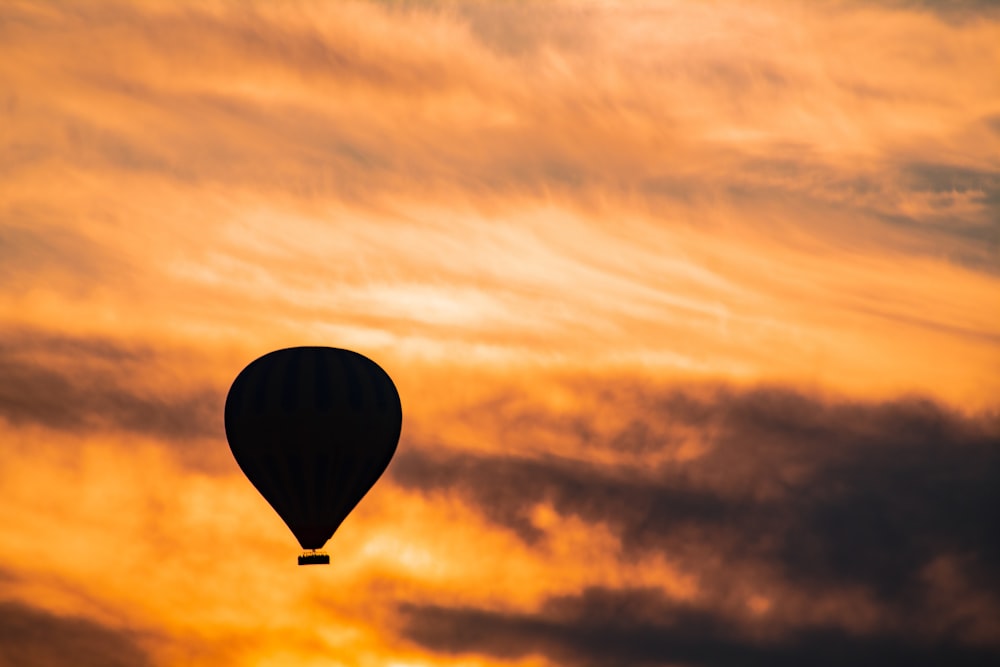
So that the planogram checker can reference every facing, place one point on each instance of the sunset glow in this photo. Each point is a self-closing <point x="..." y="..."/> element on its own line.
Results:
<point x="693" y="309"/>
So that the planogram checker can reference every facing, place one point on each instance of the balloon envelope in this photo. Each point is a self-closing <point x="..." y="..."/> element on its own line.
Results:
<point x="313" y="428"/>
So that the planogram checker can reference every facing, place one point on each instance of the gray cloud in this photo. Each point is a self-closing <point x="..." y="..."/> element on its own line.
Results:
<point x="81" y="384"/>
<point x="823" y="496"/>
<point x="951" y="178"/>
<point x="36" y="252"/>
<point x="31" y="637"/>
<point x="951" y="10"/>
<point x="969" y="235"/>
<point x="993" y="122"/>
<point x="601" y="628"/>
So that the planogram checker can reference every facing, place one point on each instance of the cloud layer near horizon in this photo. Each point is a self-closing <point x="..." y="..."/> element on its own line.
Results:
<point x="693" y="308"/>
<point x="807" y="524"/>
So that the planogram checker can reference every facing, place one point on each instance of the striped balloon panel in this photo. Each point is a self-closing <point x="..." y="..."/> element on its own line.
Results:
<point x="313" y="429"/>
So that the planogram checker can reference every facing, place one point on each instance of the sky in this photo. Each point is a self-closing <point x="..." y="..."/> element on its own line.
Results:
<point x="693" y="308"/>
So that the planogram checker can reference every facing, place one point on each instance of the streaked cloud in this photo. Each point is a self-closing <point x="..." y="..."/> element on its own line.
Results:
<point x="692" y="307"/>
<point x="81" y="385"/>
<point x="793" y="492"/>
<point x="641" y="627"/>
<point x="34" y="638"/>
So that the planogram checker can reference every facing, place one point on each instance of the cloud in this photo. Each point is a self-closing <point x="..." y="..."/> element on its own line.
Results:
<point x="952" y="10"/>
<point x="309" y="105"/>
<point x="602" y="627"/>
<point x="479" y="193"/>
<point x="92" y="384"/>
<point x="31" y="637"/>
<point x="805" y="494"/>
<point x="35" y="252"/>
<point x="955" y="201"/>
<point x="696" y="185"/>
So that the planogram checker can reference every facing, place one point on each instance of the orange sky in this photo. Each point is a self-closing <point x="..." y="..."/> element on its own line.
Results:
<point x="625" y="261"/>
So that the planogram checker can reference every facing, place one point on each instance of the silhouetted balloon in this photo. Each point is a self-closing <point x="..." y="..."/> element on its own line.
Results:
<point x="313" y="428"/>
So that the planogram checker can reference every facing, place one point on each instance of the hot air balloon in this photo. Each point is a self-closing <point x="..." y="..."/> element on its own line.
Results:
<point x="313" y="428"/>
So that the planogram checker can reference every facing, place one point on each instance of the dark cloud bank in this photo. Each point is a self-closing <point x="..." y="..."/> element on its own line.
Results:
<point x="30" y="637"/>
<point x="799" y="497"/>
<point x="640" y="627"/>
<point x="89" y="384"/>
<point x="815" y="498"/>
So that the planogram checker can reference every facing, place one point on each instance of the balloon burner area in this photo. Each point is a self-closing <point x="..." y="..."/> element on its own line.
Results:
<point x="314" y="557"/>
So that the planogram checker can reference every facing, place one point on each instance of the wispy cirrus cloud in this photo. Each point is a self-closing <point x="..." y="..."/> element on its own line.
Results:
<point x="399" y="114"/>
<point x="679" y="179"/>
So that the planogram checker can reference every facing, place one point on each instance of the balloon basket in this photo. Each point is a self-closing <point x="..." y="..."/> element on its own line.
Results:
<point x="313" y="557"/>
